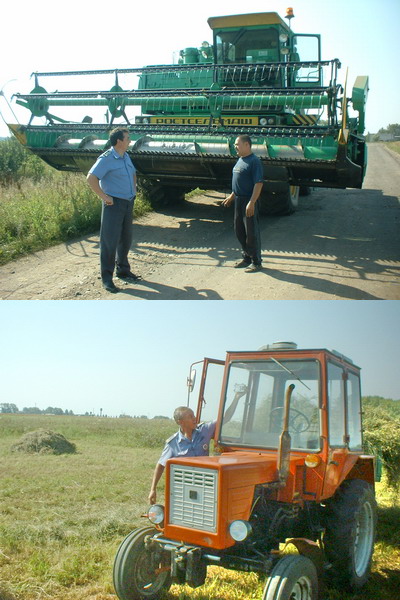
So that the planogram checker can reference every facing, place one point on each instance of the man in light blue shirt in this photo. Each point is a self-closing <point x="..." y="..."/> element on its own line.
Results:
<point x="190" y="440"/>
<point x="113" y="179"/>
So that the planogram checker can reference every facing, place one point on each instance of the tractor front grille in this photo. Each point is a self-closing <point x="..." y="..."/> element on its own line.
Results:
<point x="193" y="497"/>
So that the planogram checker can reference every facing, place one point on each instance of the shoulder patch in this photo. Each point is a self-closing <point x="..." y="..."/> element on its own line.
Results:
<point x="172" y="437"/>
<point x="106" y="153"/>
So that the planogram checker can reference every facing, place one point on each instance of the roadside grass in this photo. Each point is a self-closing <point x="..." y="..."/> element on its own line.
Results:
<point x="35" y="215"/>
<point x="63" y="517"/>
<point x="395" y="146"/>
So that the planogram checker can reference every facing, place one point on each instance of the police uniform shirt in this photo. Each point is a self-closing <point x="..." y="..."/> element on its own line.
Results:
<point x="179" y="445"/>
<point x="116" y="174"/>
<point x="246" y="173"/>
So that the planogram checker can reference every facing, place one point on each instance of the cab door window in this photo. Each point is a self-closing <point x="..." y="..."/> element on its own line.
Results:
<point x="336" y="405"/>
<point x="354" y="412"/>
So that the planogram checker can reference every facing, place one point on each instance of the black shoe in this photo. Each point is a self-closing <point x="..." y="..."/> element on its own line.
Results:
<point x="110" y="287"/>
<point x="129" y="276"/>
<point x="253" y="268"/>
<point x="242" y="263"/>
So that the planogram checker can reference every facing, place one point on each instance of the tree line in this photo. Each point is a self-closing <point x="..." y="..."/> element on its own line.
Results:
<point x="9" y="408"/>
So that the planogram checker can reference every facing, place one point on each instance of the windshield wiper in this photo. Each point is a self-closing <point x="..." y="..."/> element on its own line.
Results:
<point x="289" y="371"/>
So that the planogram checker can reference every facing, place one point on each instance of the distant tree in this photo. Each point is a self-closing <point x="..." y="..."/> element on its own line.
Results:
<point x="52" y="410"/>
<point x="160" y="417"/>
<point x="6" y="407"/>
<point x="31" y="410"/>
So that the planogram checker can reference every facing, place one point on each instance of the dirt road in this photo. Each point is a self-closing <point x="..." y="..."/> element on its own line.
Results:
<point x="340" y="244"/>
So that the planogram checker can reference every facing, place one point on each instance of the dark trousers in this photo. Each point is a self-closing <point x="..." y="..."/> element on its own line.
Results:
<point x="247" y="230"/>
<point x="115" y="238"/>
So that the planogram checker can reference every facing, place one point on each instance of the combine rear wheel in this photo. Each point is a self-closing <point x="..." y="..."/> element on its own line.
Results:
<point x="294" y="577"/>
<point x="350" y="534"/>
<point x="138" y="573"/>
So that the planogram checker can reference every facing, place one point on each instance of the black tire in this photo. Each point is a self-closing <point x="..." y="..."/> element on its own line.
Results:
<point x="134" y="574"/>
<point x="350" y="522"/>
<point x="294" y="577"/>
<point x="159" y="194"/>
<point x="279" y="199"/>
<point x="305" y="190"/>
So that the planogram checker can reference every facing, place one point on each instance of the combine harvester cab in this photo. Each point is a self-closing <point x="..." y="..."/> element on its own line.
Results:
<point x="257" y="78"/>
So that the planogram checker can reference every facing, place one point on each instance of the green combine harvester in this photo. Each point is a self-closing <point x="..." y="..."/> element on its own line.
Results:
<point x="258" y="77"/>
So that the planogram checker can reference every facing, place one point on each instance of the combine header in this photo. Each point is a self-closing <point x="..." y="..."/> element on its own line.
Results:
<point x="258" y="77"/>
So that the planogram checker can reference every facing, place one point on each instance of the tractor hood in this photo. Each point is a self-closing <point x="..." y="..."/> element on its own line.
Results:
<point x="205" y="494"/>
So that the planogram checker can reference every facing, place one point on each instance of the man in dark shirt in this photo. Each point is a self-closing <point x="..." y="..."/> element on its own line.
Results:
<point x="247" y="183"/>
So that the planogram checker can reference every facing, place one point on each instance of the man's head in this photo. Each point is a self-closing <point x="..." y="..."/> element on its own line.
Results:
<point x="243" y="145"/>
<point x="120" y="139"/>
<point x="185" y="418"/>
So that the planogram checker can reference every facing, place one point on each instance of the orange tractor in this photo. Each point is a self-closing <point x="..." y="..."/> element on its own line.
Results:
<point x="287" y="469"/>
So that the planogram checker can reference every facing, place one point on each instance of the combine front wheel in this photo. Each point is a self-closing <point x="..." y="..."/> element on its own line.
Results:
<point x="294" y="577"/>
<point x="280" y="199"/>
<point x="138" y="573"/>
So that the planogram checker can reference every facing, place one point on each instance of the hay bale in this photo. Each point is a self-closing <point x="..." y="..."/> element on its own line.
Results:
<point x="44" y="442"/>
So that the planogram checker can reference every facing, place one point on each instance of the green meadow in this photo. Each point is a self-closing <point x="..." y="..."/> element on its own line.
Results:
<point x="63" y="517"/>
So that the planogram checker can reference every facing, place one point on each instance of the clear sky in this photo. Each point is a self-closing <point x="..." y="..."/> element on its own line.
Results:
<point x="134" y="358"/>
<point x="80" y="35"/>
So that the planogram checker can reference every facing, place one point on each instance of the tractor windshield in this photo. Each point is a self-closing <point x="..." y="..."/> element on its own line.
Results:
<point x="259" y="388"/>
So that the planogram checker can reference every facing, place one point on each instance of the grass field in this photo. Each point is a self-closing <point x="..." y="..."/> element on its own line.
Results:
<point x="63" y="517"/>
<point x="35" y="215"/>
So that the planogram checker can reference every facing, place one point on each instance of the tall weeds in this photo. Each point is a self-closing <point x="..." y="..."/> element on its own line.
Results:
<point x="40" y="207"/>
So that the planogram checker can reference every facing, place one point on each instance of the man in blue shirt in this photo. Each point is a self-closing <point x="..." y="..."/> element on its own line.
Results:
<point x="190" y="440"/>
<point x="113" y="179"/>
<point x="247" y="183"/>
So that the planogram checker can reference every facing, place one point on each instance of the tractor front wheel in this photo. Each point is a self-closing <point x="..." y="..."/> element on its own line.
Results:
<point x="294" y="577"/>
<point x="140" y="574"/>
<point x="350" y="534"/>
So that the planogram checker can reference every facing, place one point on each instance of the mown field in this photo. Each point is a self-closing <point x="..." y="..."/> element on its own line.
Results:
<point x="63" y="517"/>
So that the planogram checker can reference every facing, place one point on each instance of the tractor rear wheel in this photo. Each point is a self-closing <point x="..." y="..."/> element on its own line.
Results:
<point x="138" y="573"/>
<point x="294" y="577"/>
<point x="349" y="538"/>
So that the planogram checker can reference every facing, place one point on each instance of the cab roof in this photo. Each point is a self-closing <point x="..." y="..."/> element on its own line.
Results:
<point x="270" y="18"/>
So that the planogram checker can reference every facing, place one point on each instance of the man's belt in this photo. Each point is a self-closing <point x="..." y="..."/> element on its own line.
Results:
<point x="126" y="199"/>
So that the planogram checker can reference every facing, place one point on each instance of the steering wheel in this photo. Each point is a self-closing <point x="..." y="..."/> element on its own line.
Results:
<point x="298" y="421"/>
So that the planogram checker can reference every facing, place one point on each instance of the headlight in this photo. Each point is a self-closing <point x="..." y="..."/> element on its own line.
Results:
<point x="155" y="514"/>
<point x="263" y="121"/>
<point x="240" y="530"/>
<point x="285" y="50"/>
<point x="312" y="460"/>
<point x="283" y="38"/>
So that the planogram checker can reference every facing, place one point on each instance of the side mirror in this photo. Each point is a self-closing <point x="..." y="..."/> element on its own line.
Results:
<point x="191" y="380"/>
